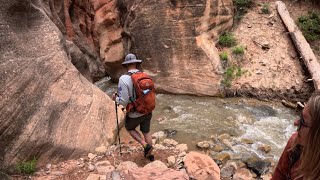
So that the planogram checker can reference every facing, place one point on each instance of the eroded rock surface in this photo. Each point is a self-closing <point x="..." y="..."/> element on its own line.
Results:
<point x="176" y="40"/>
<point x="48" y="109"/>
<point x="75" y="19"/>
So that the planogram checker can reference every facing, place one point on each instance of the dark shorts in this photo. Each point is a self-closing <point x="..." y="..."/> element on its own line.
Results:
<point x="143" y="121"/>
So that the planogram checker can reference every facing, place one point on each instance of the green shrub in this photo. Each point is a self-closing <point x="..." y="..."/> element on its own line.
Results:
<point x="231" y="73"/>
<point x="27" y="167"/>
<point x="227" y="39"/>
<point x="265" y="8"/>
<point x="241" y="7"/>
<point x="242" y="3"/>
<point x="224" y="56"/>
<point x="238" y="50"/>
<point x="310" y="26"/>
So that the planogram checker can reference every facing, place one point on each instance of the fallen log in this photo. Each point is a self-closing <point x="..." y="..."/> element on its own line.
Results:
<point x="289" y="104"/>
<point x="301" y="44"/>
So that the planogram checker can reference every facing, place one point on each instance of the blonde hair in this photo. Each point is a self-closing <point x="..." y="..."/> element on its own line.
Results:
<point x="310" y="157"/>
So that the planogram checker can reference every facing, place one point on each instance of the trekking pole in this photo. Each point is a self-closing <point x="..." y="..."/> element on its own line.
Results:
<point x="115" y="103"/>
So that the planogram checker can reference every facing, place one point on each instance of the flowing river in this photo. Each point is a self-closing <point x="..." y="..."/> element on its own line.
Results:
<point x="193" y="119"/>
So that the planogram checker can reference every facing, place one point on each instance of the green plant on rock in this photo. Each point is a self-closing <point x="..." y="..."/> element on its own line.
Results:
<point x="238" y="50"/>
<point x="265" y="8"/>
<point x="241" y="7"/>
<point x="224" y="56"/>
<point x="310" y="26"/>
<point x="27" y="167"/>
<point x="227" y="39"/>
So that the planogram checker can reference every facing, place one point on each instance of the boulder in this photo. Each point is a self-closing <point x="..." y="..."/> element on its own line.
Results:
<point x="156" y="164"/>
<point x="155" y="173"/>
<point x="200" y="166"/>
<point x="48" y="109"/>
<point x="182" y="147"/>
<point x="104" y="167"/>
<point x="257" y="165"/>
<point x="242" y="174"/>
<point x="126" y="165"/>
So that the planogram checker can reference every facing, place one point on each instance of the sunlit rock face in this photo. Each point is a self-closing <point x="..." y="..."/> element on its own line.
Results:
<point x="48" y="110"/>
<point x="174" y="38"/>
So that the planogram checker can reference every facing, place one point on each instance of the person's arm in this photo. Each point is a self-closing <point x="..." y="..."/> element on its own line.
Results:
<point x="283" y="168"/>
<point x="123" y="92"/>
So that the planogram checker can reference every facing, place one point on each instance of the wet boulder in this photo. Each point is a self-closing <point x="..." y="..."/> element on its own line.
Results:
<point x="200" y="166"/>
<point x="257" y="165"/>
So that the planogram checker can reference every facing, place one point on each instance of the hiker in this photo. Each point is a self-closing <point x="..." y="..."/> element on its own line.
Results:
<point x="125" y="96"/>
<point x="301" y="156"/>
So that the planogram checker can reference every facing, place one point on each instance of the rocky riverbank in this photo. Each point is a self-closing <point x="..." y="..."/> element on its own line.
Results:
<point x="215" y="159"/>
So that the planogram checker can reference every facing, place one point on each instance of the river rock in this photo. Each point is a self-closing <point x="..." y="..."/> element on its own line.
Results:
<point x="204" y="144"/>
<point x="155" y="173"/>
<point x="104" y="167"/>
<point x="224" y="136"/>
<point x="159" y="136"/>
<point x="246" y="141"/>
<point x="217" y="148"/>
<point x="126" y="165"/>
<point x="170" y="142"/>
<point x="200" y="166"/>
<point x="242" y="174"/>
<point x="265" y="148"/>
<point x="91" y="156"/>
<point x="257" y="165"/>
<point x="159" y="146"/>
<point x="96" y="177"/>
<point x="227" y="172"/>
<point x="156" y="164"/>
<point x="171" y="160"/>
<point x="170" y="132"/>
<point x="222" y="157"/>
<point x="101" y="149"/>
<point x="227" y="143"/>
<point x="267" y="176"/>
<point x="214" y="138"/>
<point x="90" y="167"/>
<point x="182" y="147"/>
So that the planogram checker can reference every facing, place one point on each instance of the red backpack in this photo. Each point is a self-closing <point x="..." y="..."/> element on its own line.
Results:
<point x="146" y="96"/>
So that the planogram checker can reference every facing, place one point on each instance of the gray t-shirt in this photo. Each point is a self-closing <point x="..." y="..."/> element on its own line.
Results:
<point x="125" y="91"/>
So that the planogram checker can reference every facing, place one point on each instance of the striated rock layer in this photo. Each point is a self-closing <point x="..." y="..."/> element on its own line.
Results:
<point x="176" y="40"/>
<point x="48" y="110"/>
<point x="75" y="19"/>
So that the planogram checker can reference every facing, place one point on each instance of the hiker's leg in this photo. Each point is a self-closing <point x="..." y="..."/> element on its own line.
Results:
<point x="130" y="125"/>
<point x="148" y="138"/>
<point x="145" y="128"/>
<point x="136" y="135"/>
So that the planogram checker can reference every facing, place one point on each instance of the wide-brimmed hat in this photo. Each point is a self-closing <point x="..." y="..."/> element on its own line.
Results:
<point x="131" y="58"/>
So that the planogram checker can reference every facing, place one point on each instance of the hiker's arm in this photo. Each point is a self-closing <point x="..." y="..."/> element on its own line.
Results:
<point x="123" y="93"/>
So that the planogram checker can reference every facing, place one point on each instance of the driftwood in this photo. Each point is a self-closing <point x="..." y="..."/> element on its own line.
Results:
<point x="301" y="44"/>
<point x="289" y="104"/>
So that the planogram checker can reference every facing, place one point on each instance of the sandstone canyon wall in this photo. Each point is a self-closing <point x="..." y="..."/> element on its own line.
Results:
<point x="51" y="50"/>
<point x="48" y="110"/>
<point x="175" y="38"/>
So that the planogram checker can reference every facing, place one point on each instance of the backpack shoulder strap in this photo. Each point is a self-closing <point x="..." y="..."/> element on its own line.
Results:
<point x="130" y="73"/>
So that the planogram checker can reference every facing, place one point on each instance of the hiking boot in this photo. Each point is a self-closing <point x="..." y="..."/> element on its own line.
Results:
<point x="151" y="157"/>
<point x="147" y="150"/>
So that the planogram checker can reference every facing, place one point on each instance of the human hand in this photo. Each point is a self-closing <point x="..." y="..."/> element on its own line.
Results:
<point x="114" y="95"/>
